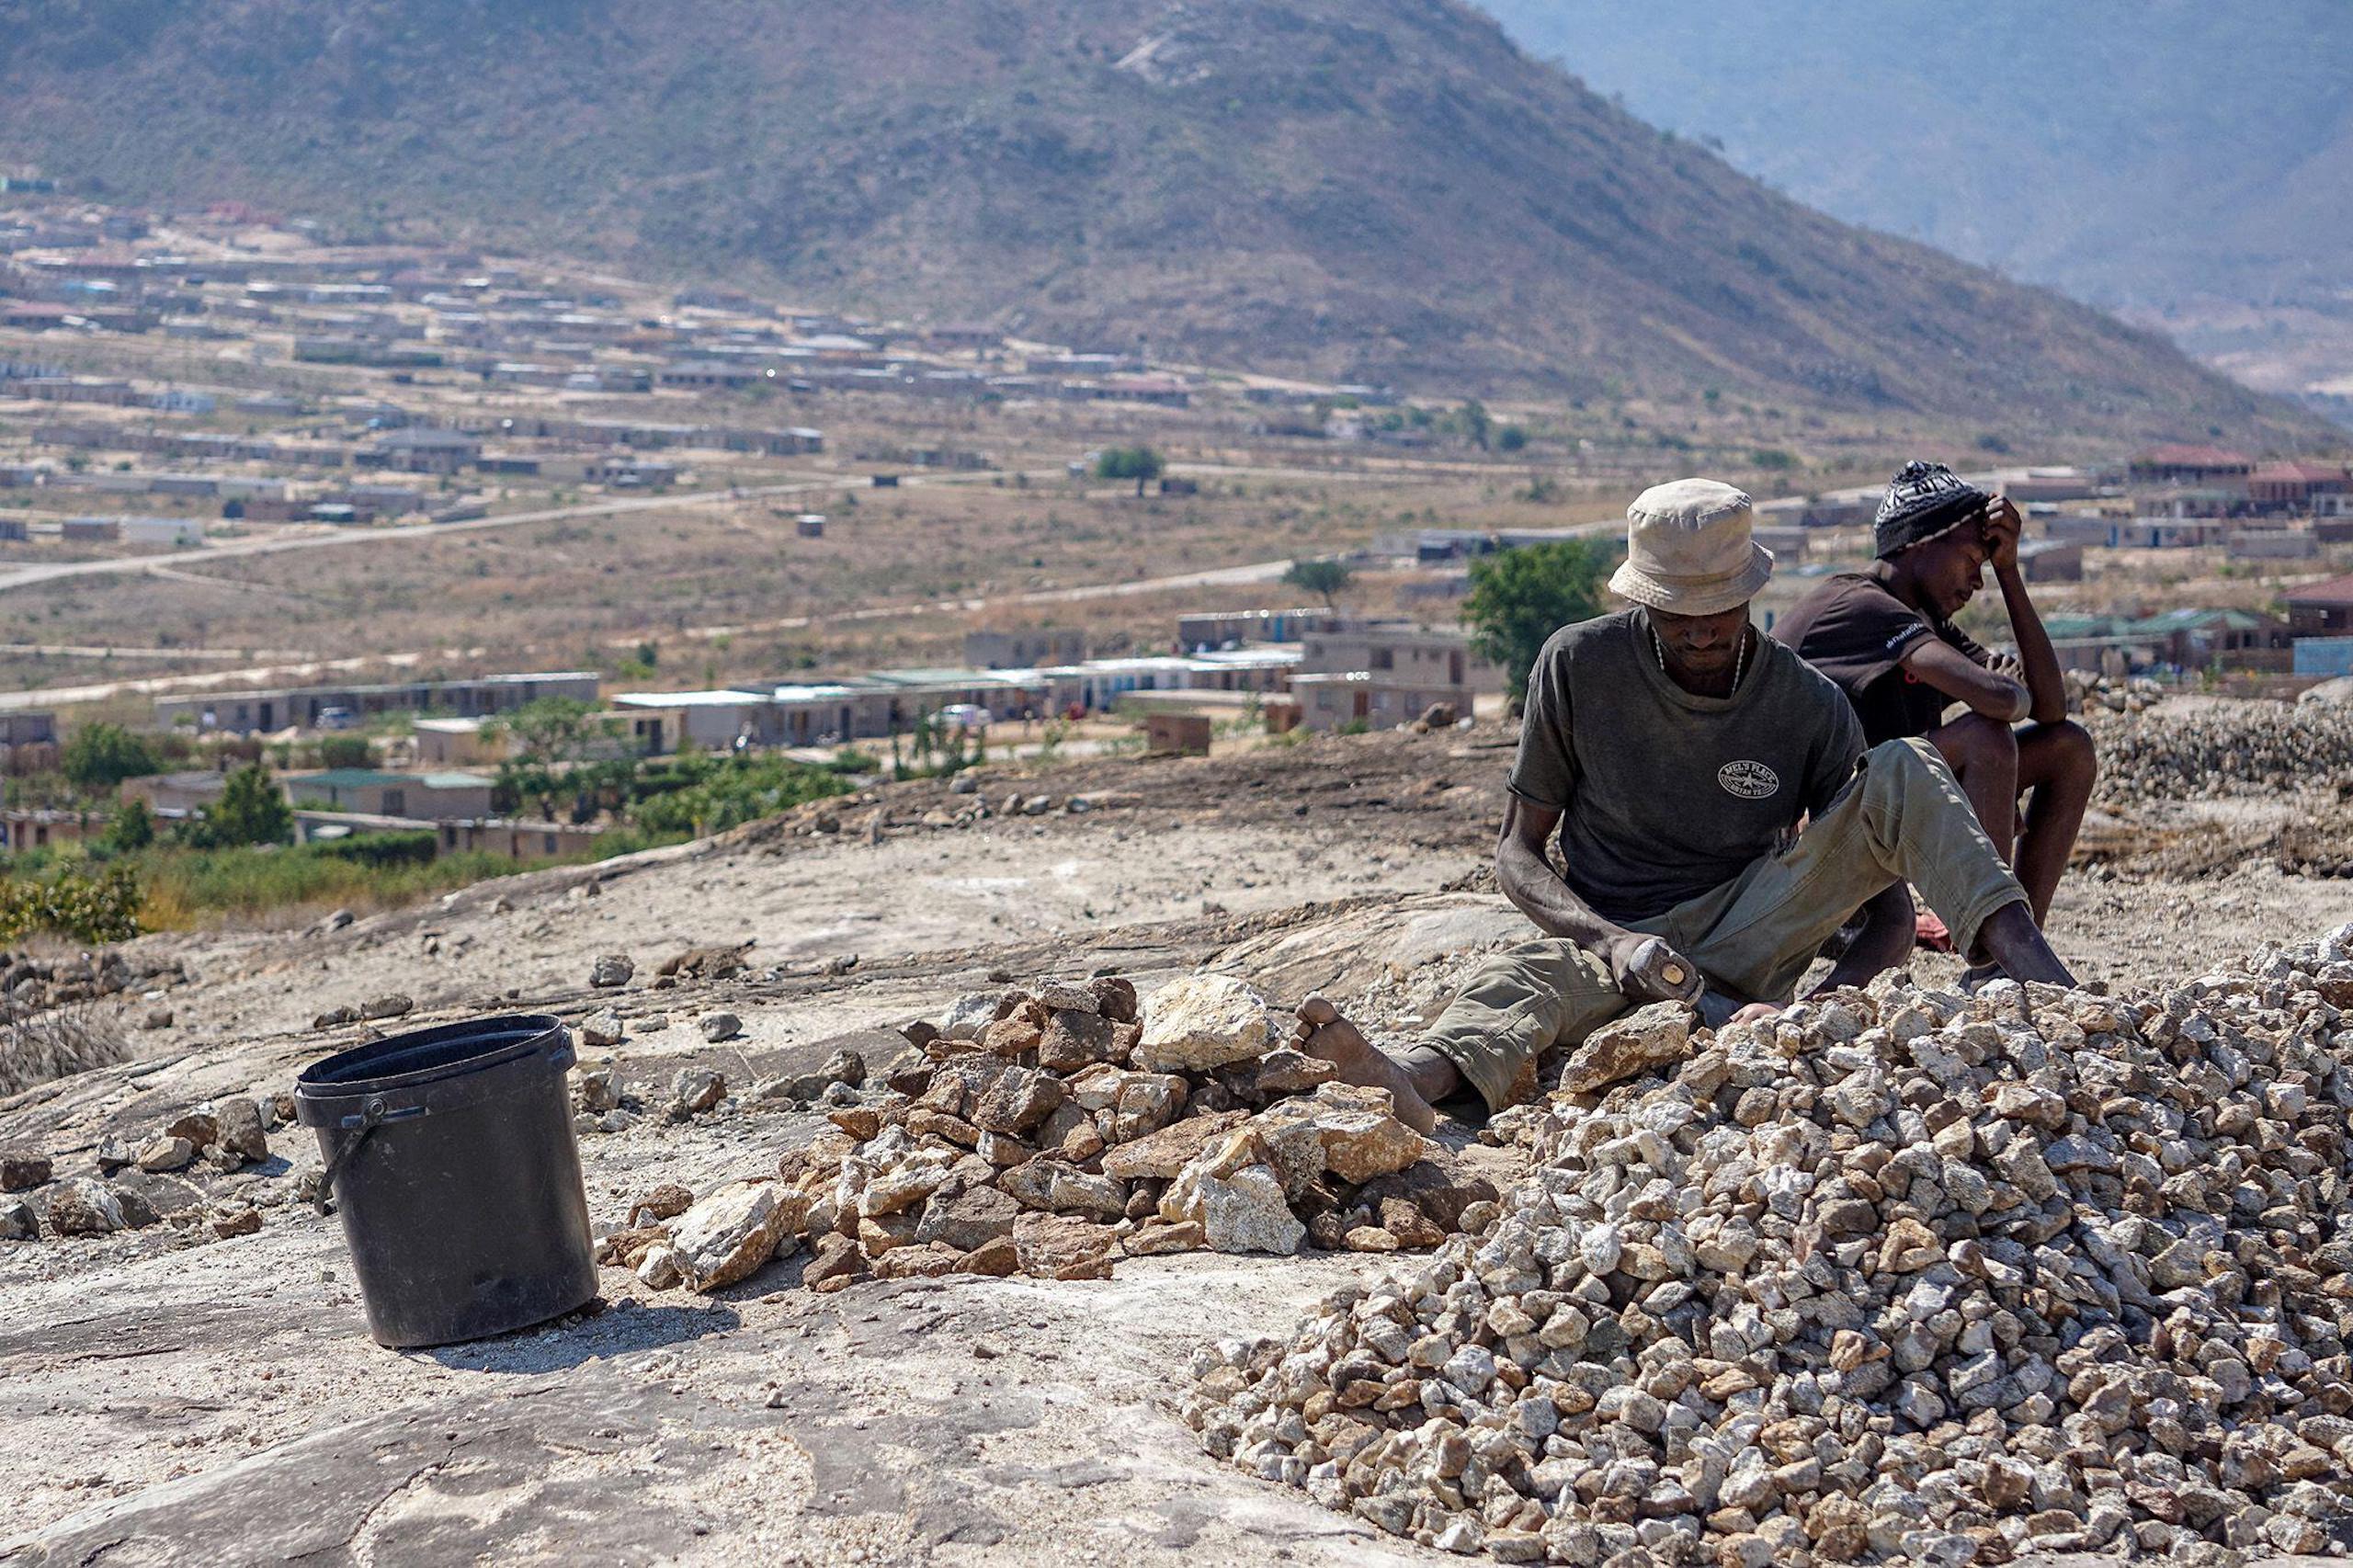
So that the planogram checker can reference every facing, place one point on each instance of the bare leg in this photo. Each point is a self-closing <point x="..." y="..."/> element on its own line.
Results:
<point x="2057" y="766"/>
<point x="2012" y="941"/>
<point x="1325" y="1034"/>
<point x="1984" y="754"/>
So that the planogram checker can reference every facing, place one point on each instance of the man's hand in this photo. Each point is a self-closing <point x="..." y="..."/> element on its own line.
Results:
<point x="2001" y="528"/>
<point x="2007" y="664"/>
<point x="1652" y="982"/>
<point x="1751" y="1013"/>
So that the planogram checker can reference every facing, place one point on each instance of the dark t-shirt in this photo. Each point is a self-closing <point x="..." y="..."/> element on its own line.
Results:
<point x="1664" y="795"/>
<point x="1855" y="631"/>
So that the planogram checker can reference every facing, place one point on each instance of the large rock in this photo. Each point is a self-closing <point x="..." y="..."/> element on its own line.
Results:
<point x="85" y="1206"/>
<point x="1205" y="1021"/>
<point x="1641" y="1042"/>
<point x="970" y="1220"/>
<point x="1343" y="1129"/>
<point x="1160" y="1156"/>
<point x="1237" y="1200"/>
<point x="242" y="1133"/>
<point x="17" y="1221"/>
<point x="732" y="1233"/>
<point x="1057" y="1246"/>
<point x="1019" y="1099"/>
<point x="22" y="1170"/>
<point x="612" y="972"/>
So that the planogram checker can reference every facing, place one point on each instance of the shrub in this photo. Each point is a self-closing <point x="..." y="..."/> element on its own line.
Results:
<point x="100" y="757"/>
<point x="250" y="811"/>
<point x="1522" y="596"/>
<point x="87" y="906"/>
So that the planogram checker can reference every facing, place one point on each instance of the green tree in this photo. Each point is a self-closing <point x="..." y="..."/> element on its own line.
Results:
<point x="100" y="757"/>
<point x="250" y="811"/>
<point x="1522" y="596"/>
<point x="345" y="751"/>
<point x="1511" y="438"/>
<point x="1325" y="577"/>
<point x="133" y="828"/>
<point x="1476" y="424"/>
<point x="1139" y="463"/>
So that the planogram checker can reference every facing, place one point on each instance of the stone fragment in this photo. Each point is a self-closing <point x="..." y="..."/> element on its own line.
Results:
<point x="166" y="1152"/>
<point x="831" y="1256"/>
<point x="199" y="1127"/>
<point x="613" y="972"/>
<point x="83" y="1206"/>
<point x="1644" y="1040"/>
<point x="969" y="1220"/>
<point x="719" y="1027"/>
<point x="22" y="1170"/>
<point x="17" y="1221"/>
<point x="1160" y="1156"/>
<point x="1059" y="1246"/>
<point x="393" y="1005"/>
<point x="602" y="1029"/>
<point x="1346" y="1130"/>
<point x="732" y="1233"/>
<point x="696" y="1089"/>
<point x="1202" y="1021"/>
<point x="665" y="1202"/>
<point x="996" y="1258"/>
<point x="240" y="1131"/>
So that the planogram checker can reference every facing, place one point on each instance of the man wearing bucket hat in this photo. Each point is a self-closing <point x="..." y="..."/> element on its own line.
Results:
<point x="1885" y="634"/>
<point x="1675" y="751"/>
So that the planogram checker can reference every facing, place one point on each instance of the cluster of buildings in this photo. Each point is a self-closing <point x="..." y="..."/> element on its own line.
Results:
<point x="1318" y="668"/>
<point x="229" y="273"/>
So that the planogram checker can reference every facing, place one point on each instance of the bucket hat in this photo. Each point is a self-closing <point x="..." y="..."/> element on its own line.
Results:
<point x="1689" y="549"/>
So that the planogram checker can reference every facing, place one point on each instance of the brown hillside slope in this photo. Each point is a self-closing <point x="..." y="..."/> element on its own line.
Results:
<point x="1378" y="189"/>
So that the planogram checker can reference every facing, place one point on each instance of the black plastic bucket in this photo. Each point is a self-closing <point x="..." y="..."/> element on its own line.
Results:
<point x="449" y="1153"/>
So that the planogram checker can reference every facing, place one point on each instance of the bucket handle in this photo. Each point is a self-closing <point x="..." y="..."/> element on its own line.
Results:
<point x="371" y="1116"/>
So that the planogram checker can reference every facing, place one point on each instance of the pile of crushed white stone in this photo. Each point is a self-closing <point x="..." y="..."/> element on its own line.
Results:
<point x="1897" y="1274"/>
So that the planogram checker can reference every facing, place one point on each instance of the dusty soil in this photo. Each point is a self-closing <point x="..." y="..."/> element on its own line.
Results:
<point x="194" y="1400"/>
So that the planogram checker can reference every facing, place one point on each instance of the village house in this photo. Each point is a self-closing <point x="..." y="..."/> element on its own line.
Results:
<point x="421" y="451"/>
<point x="22" y="828"/>
<point x="371" y="791"/>
<point x="2290" y="486"/>
<point x="1331" y="700"/>
<point x="174" y="795"/>
<point x="2192" y="465"/>
<point x="2322" y="609"/>
<point x="1402" y="653"/>
<point x="455" y="743"/>
<point x="28" y="743"/>
<point x="301" y="707"/>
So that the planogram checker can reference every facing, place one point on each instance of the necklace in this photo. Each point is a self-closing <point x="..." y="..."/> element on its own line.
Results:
<point x="1739" y="666"/>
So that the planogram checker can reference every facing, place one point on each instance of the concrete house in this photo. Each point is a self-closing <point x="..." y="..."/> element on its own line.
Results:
<point x="424" y="796"/>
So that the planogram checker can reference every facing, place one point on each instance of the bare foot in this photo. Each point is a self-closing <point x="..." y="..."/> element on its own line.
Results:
<point x="1323" y="1033"/>
<point x="2012" y="941"/>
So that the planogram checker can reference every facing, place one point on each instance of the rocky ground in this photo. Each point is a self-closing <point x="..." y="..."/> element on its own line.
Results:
<point x="200" y="1389"/>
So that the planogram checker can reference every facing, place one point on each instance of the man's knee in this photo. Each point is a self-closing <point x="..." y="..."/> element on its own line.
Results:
<point x="1975" y="740"/>
<point x="2063" y="750"/>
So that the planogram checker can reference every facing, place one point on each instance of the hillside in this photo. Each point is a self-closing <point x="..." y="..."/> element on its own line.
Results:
<point x="2197" y="150"/>
<point x="1385" y="189"/>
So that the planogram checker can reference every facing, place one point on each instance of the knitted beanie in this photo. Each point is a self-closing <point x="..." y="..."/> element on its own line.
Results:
<point x="1925" y="501"/>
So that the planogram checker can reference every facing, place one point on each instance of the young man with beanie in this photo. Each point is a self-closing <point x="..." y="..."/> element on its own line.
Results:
<point x="1673" y="750"/>
<point x="1885" y="634"/>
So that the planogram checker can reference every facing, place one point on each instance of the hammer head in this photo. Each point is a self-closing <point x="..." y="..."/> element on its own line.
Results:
<point x="1663" y="969"/>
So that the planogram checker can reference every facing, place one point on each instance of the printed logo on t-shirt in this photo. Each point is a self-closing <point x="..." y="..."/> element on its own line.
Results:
<point x="1749" y="780"/>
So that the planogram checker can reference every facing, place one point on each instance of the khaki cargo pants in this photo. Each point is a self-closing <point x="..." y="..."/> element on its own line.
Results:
<point x="1902" y="819"/>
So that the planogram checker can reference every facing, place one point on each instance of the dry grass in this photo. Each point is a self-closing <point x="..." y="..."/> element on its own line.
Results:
<point x="58" y="1044"/>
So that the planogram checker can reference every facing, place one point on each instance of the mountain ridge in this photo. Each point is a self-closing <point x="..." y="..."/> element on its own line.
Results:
<point x="1383" y="191"/>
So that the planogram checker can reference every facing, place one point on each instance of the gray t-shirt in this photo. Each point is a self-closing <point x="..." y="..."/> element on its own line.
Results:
<point x="1664" y="795"/>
